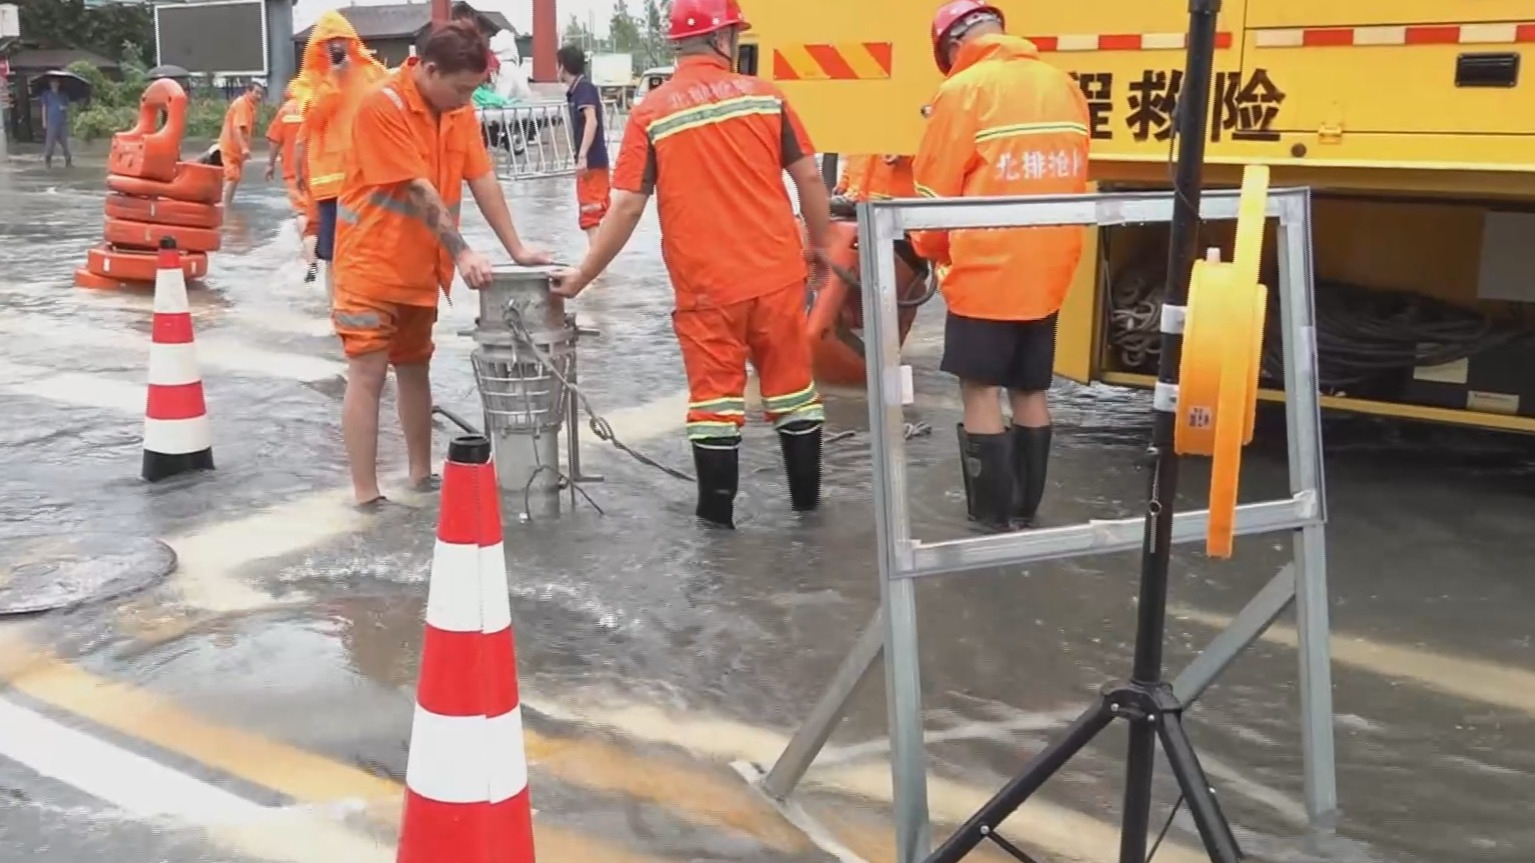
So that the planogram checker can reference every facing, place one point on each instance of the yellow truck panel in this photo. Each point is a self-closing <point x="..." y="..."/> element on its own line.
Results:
<point x="1412" y="121"/>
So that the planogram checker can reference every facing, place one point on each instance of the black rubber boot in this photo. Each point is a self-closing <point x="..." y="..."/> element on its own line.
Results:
<point x="987" y="462"/>
<point x="801" y="444"/>
<point x="717" y="461"/>
<point x="1031" y="461"/>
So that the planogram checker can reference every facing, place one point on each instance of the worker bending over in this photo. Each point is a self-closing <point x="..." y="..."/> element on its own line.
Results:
<point x="282" y="136"/>
<point x="235" y="137"/>
<point x="593" y="192"/>
<point x="339" y="72"/>
<point x="713" y="146"/>
<point x="415" y="143"/>
<point x="1003" y="123"/>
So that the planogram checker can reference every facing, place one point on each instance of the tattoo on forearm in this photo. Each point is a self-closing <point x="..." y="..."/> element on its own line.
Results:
<point x="427" y="207"/>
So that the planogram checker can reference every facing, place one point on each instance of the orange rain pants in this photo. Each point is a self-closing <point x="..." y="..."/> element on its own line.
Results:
<point x="717" y="342"/>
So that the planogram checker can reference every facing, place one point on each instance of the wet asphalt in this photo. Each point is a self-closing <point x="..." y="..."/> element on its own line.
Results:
<point x="650" y="650"/>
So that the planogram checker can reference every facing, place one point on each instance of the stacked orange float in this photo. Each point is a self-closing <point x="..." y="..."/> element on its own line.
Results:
<point x="155" y="195"/>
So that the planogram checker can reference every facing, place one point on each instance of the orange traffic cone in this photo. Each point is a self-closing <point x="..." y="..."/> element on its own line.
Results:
<point x="177" y="438"/>
<point x="466" y="797"/>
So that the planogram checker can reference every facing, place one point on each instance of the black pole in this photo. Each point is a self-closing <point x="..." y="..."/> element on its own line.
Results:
<point x="1193" y="102"/>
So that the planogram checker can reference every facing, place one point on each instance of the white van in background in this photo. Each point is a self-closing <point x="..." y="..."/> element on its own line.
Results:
<point x="652" y="78"/>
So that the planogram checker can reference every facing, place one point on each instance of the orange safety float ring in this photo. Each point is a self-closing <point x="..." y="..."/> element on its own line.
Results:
<point x="202" y="184"/>
<point x="146" y="235"/>
<point x="835" y="317"/>
<point x="130" y="265"/>
<point x="1222" y="358"/>
<point x="164" y="211"/>
<point x="148" y="152"/>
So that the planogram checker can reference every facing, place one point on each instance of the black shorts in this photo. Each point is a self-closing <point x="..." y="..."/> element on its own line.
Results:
<point x="325" y="232"/>
<point x="1018" y="355"/>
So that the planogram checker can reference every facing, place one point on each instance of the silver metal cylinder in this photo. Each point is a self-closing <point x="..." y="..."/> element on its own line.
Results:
<point x="525" y="350"/>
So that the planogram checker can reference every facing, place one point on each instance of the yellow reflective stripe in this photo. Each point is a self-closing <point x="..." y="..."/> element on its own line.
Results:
<point x="727" y="405"/>
<point x="699" y="430"/>
<point x="328" y="178"/>
<point x="809" y="413"/>
<point x="792" y="401"/>
<point x="712" y="113"/>
<point x="926" y="192"/>
<point x="1015" y="130"/>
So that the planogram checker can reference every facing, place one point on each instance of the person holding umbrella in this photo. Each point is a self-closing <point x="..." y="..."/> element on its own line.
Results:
<point x="60" y="88"/>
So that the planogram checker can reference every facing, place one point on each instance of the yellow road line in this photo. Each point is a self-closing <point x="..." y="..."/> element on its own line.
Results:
<point x="699" y="797"/>
<point x="1471" y="679"/>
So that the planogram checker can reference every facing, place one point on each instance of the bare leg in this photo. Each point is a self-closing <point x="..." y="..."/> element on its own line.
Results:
<point x="359" y="421"/>
<point x="415" y="402"/>
<point x="983" y="408"/>
<point x="229" y="192"/>
<point x="1030" y="410"/>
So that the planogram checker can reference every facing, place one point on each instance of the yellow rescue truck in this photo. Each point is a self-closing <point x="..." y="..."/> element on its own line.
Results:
<point x="1413" y="121"/>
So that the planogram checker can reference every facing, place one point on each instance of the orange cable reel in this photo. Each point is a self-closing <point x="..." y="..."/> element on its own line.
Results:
<point x="1222" y="356"/>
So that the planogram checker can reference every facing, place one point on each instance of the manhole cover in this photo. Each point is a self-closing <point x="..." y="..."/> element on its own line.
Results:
<point x="42" y="573"/>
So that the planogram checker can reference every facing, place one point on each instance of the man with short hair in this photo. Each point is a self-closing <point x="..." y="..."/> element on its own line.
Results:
<point x="415" y="144"/>
<point x="1003" y="123"/>
<point x="235" y="138"/>
<point x="589" y="138"/>
<point x="713" y="146"/>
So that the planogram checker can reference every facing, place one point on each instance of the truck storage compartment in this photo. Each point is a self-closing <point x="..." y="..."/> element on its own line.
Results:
<point x="1426" y="304"/>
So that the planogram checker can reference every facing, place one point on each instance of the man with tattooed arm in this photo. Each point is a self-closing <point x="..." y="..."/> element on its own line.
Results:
<point x="415" y="143"/>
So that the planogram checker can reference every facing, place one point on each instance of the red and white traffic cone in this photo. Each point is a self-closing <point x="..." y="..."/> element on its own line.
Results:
<point x="466" y="779"/>
<point x="177" y="438"/>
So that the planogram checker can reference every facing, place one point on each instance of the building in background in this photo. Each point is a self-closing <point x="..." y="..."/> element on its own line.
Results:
<point x="392" y="31"/>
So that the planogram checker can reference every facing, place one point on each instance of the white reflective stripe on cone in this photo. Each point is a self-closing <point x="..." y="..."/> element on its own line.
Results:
<point x="177" y="437"/>
<point x="466" y="759"/>
<point x="171" y="292"/>
<point x="495" y="594"/>
<point x="173" y="365"/>
<point x="453" y="596"/>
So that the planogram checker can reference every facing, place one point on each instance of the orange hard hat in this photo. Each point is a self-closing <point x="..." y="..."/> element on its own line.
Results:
<point x="948" y="16"/>
<point x="701" y="17"/>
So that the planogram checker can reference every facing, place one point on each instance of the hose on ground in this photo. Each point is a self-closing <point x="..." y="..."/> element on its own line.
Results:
<point x="1365" y="337"/>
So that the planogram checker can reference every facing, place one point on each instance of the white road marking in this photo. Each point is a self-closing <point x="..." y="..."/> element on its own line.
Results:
<point x="73" y="388"/>
<point x="146" y="789"/>
<point x="212" y="351"/>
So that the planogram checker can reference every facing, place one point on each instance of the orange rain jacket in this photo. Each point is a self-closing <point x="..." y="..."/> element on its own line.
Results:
<point x="877" y="177"/>
<point x="1004" y="123"/>
<point x="327" y="127"/>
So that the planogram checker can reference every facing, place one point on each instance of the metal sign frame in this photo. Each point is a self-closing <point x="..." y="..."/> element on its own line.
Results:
<point x="903" y="559"/>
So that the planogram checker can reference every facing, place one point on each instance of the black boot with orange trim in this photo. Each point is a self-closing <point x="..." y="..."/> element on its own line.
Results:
<point x="717" y="461"/>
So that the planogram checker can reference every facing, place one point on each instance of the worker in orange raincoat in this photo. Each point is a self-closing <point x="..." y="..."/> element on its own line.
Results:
<point x="712" y="146"/>
<point x="282" y="135"/>
<point x="338" y="71"/>
<point x="1003" y="123"/>
<point x="876" y="177"/>
<point x="235" y="137"/>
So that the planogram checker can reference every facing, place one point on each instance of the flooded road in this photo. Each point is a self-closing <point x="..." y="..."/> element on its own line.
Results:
<point x="256" y="705"/>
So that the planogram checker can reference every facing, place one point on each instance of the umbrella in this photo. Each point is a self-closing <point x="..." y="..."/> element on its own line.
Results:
<point x="75" y="88"/>
<point x="168" y="70"/>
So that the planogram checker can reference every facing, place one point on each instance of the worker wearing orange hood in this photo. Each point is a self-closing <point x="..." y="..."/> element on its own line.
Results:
<point x="338" y="71"/>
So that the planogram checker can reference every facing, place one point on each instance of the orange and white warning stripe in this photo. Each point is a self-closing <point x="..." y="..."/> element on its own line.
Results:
<point x="1418" y="34"/>
<point x="1119" y="42"/>
<point x="177" y="437"/>
<point x="466" y="777"/>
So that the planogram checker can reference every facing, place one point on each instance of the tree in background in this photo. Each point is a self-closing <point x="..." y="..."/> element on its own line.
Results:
<point x="657" y="50"/>
<point x="107" y="30"/>
<point x="624" y="35"/>
<point x="577" y="33"/>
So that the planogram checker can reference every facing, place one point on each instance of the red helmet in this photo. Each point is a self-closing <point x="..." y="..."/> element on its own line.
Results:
<point x="701" y="17"/>
<point x="944" y="20"/>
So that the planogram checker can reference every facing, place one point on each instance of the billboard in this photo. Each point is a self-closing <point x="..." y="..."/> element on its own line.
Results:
<point x="219" y="37"/>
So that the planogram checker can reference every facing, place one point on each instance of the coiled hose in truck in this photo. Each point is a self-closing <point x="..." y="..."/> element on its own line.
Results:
<point x="1366" y="337"/>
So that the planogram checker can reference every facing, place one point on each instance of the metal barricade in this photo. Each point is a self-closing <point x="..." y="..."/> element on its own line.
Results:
<point x="524" y="365"/>
<point x="903" y="559"/>
<point x="534" y="139"/>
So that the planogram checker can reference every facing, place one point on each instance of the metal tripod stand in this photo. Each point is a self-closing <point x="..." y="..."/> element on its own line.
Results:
<point x="1146" y="700"/>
